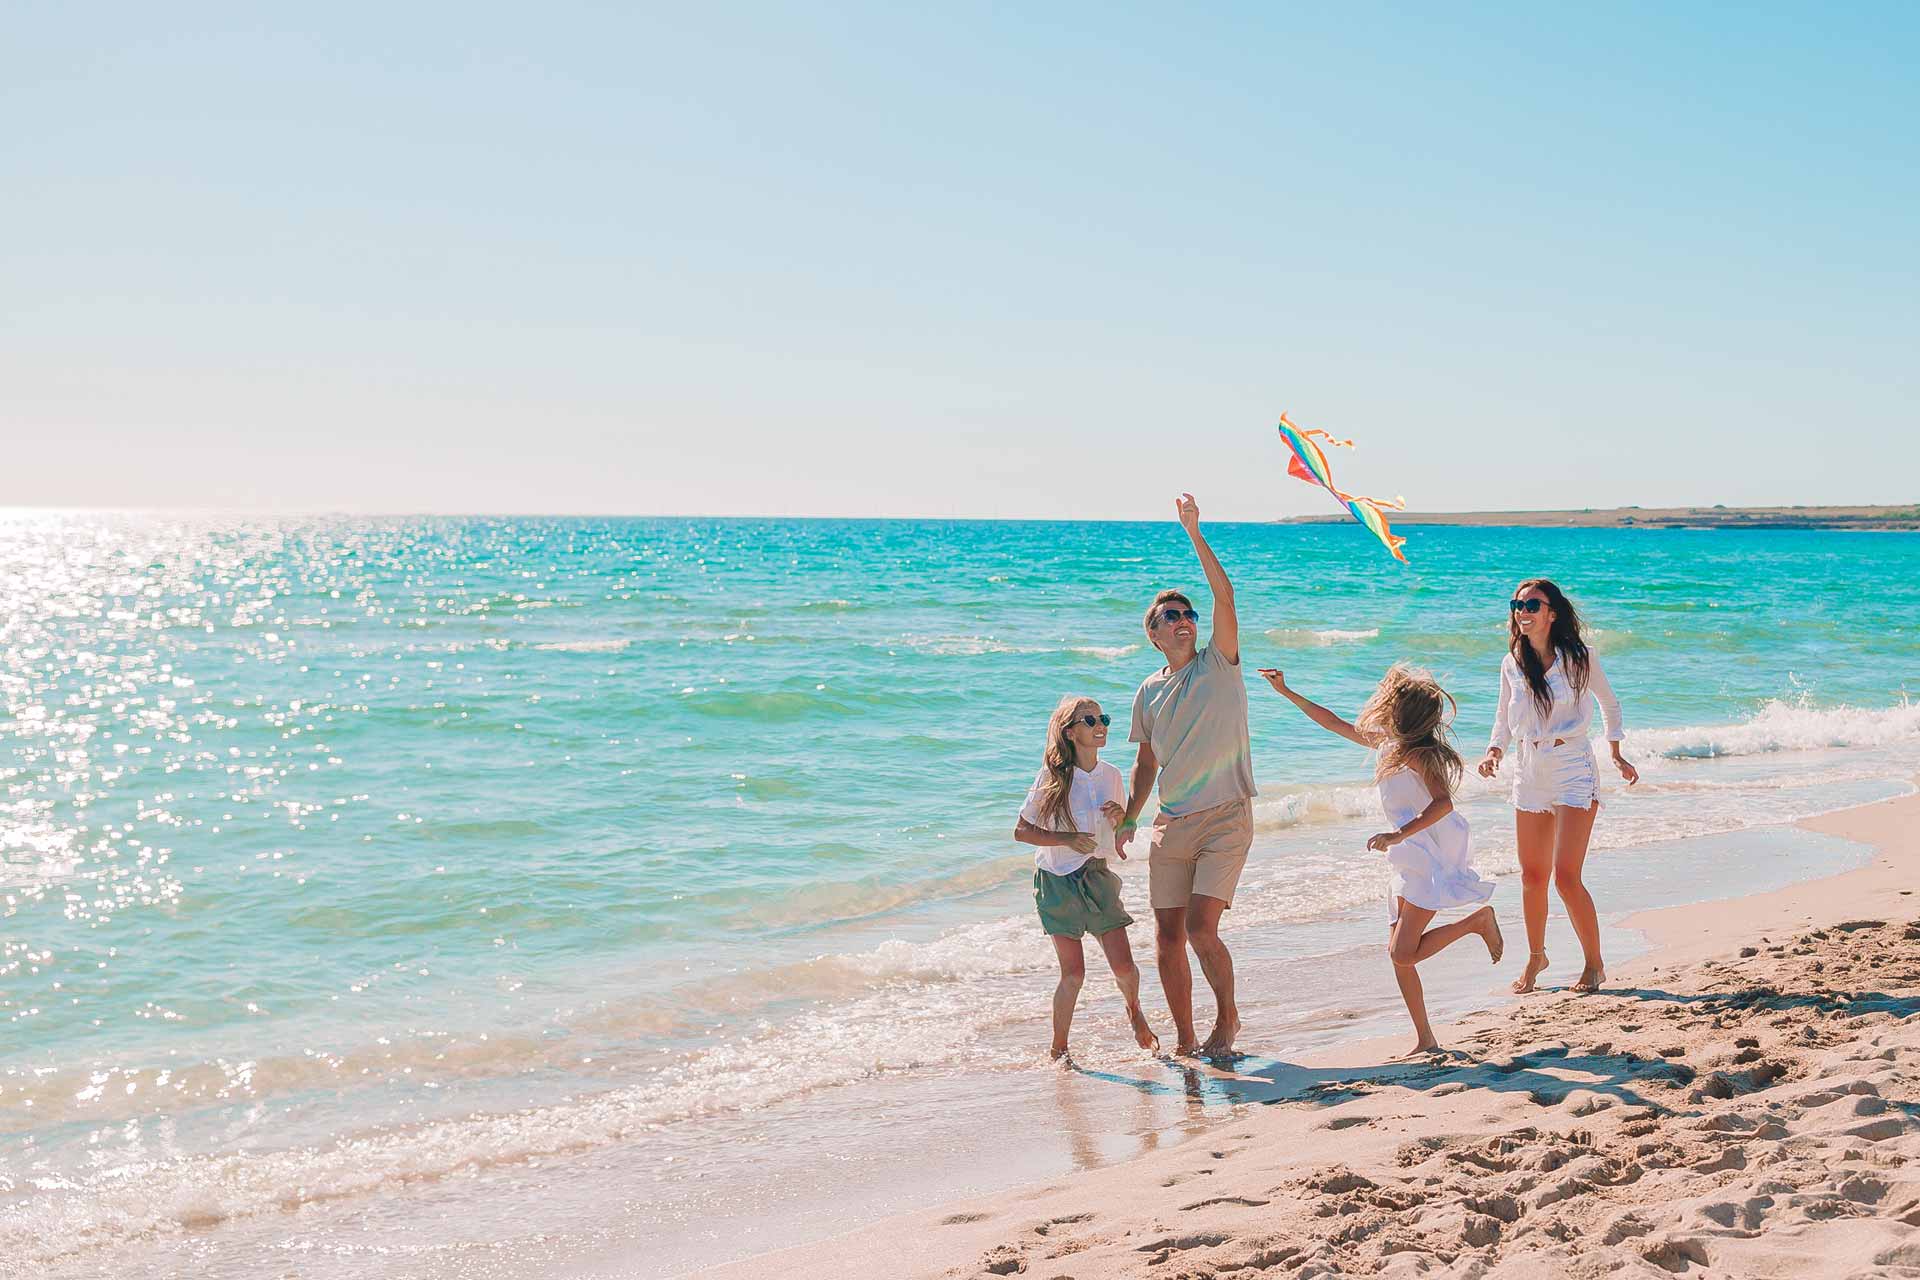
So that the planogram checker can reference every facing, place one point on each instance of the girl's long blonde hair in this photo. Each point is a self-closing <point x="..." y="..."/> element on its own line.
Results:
<point x="1059" y="762"/>
<point x="1409" y="715"/>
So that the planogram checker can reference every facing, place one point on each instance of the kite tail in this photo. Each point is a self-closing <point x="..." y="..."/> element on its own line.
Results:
<point x="1311" y="432"/>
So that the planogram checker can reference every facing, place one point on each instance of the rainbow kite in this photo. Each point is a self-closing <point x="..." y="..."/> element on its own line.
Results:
<point x="1310" y="464"/>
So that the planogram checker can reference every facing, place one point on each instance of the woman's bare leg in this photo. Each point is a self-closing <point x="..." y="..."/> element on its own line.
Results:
<point x="1575" y="828"/>
<point x="1533" y="836"/>
<point x="1073" y="972"/>
<point x="1126" y="973"/>
<point x="1403" y="949"/>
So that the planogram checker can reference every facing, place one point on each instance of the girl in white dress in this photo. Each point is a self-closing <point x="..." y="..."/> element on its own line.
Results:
<point x="1429" y="852"/>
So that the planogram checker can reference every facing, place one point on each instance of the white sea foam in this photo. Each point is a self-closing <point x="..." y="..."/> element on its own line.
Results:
<point x="1104" y="650"/>
<point x="1789" y="726"/>
<point x="584" y="646"/>
<point x="1304" y="638"/>
<point x="950" y="646"/>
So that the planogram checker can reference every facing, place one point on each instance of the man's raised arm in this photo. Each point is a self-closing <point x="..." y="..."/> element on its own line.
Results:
<point x="1226" y="621"/>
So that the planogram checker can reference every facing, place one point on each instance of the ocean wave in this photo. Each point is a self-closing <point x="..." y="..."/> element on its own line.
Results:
<point x="583" y="646"/>
<point x="1304" y="638"/>
<point x="1104" y="650"/>
<point x="1786" y="726"/>
<point x="899" y="1030"/>
<point x="952" y="646"/>
<point x="1278" y="807"/>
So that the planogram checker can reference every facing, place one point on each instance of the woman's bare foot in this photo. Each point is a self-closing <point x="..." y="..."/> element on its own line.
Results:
<point x="1220" y="1039"/>
<point x="1536" y="964"/>
<point x="1422" y="1049"/>
<point x="1142" y="1033"/>
<point x="1057" y="1052"/>
<point x="1489" y="928"/>
<point x="1590" y="979"/>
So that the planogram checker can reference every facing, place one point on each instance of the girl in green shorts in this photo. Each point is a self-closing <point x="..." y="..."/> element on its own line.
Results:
<point x="1069" y="818"/>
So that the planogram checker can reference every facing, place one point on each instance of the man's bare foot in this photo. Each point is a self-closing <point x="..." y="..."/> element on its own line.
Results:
<point x="1142" y="1033"/>
<point x="1187" y="1049"/>
<point x="1536" y="964"/>
<point x="1590" y="979"/>
<point x="1489" y="928"/>
<point x="1220" y="1039"/>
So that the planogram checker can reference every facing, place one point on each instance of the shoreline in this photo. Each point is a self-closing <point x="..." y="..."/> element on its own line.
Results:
<point x="1891" y="518"/>
<point x="1525" y="1070"/>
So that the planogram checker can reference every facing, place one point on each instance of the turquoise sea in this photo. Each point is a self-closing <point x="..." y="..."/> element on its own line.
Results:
<point x="522" y="896"/>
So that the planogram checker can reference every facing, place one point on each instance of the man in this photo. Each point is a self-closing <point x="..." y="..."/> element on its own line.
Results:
<point x="1190" y="719"/>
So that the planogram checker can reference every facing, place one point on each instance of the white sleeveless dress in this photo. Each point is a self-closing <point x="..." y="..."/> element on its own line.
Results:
<point x="1432" y="868"/>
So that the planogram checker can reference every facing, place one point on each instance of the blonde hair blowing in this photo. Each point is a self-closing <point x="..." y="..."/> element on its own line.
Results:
<point x="1059" y="761"/>
<point x="1408" y="716"/>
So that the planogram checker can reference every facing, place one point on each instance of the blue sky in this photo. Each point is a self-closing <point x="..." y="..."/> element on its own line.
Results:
<point x="960" y="261"/>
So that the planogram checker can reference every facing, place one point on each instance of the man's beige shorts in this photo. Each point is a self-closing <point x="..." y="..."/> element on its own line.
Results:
<point x="1202" y="853"/>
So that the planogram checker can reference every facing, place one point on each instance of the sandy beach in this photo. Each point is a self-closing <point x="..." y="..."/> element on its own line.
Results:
<point x="1740" y="1101"/>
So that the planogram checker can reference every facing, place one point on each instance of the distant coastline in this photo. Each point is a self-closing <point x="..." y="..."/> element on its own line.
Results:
<point x="1905" y="518"/>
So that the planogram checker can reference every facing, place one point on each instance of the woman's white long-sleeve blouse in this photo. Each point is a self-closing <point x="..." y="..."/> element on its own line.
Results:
<point x="1572" y="714"/>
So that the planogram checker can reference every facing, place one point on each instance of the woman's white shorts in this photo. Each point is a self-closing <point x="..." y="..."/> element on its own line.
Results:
<point x="1550" y="775"/>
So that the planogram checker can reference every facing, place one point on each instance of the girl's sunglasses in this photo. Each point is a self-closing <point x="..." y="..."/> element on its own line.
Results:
<point x="1090" y="721"/>
<point x="1174" y="615"/>
<point x="1526" y="606"/>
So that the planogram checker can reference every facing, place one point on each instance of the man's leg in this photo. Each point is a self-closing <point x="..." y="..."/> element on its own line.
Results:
<point x="1203" y="932"/>
<point x="1176" y="977"/>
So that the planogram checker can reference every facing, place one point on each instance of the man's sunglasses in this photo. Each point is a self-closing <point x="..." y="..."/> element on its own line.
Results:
<point x="1533" y="605"/>
<point x="1174" y="615"/>
<point x="1090" y="721"/>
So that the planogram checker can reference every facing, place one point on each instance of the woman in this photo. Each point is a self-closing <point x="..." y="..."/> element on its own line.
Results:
<point x="1549" y="684"/>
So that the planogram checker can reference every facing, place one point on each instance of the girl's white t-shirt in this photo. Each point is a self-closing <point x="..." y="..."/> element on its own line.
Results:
<point x="1089" y="791"/>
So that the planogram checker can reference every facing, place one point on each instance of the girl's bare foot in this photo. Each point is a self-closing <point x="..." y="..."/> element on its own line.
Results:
<point x="1536" y="964"/>
<point x="1590" y="979"/>
<point x="1489" y="928"/>
<point x="1142" y="1033"/>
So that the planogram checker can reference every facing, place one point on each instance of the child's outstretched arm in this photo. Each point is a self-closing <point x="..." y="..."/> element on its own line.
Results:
<point x="1315" y="712"/>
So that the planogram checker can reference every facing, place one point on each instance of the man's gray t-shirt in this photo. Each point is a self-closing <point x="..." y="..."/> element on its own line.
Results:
<point x="1195" y="719"/>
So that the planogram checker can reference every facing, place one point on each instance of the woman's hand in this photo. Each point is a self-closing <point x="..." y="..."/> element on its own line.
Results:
<point x="1385" y="841"/>
<point x="1490" y="763"/>
<point x="1625" y="766"/>
<point x="1273" y="676"/>
<point x="1081" y="842"/>
<point x="1188" y="512"/>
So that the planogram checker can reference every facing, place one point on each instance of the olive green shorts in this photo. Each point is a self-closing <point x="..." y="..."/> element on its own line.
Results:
<point x="1086" y="901"/>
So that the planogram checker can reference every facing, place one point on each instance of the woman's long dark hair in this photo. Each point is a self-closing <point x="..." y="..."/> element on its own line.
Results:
<point x="1565" y="637"/>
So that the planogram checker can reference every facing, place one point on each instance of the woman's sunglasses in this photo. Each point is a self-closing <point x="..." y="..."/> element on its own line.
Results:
<point x="1174" y="615"/>
<point x="1090" y="721"/>
<point x="1533" y="605"/>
